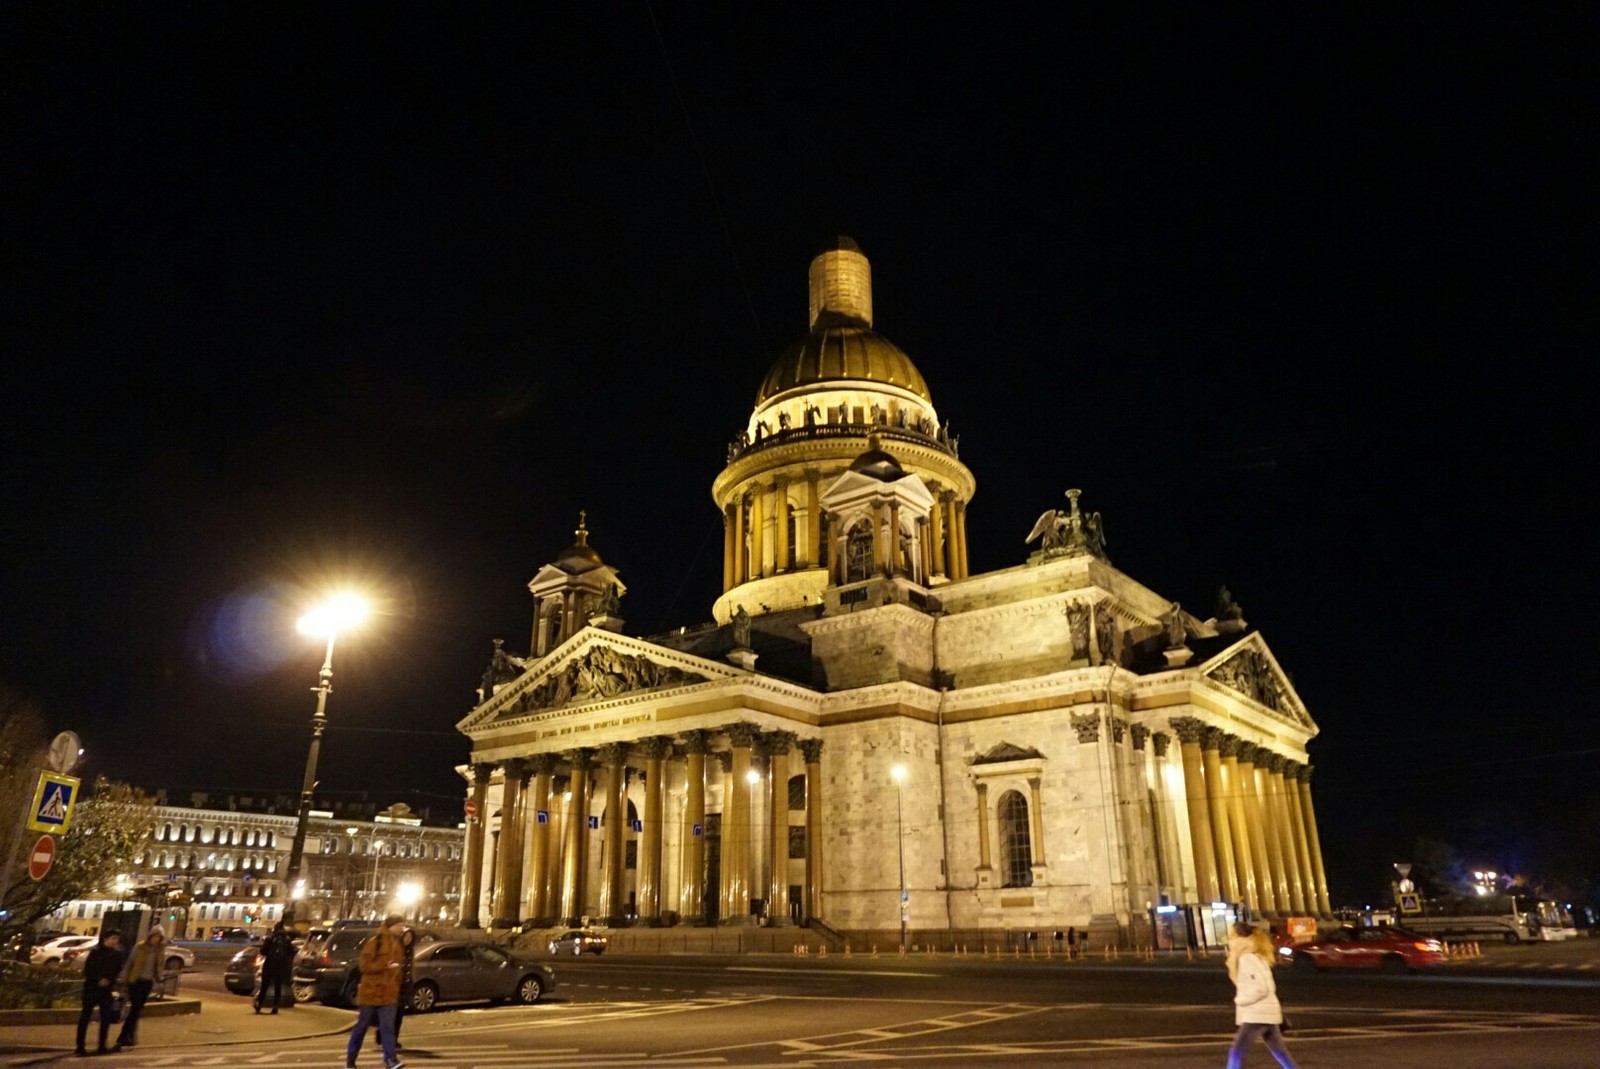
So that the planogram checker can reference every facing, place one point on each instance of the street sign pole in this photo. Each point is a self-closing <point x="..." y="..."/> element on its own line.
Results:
<point x="65" y="749"/>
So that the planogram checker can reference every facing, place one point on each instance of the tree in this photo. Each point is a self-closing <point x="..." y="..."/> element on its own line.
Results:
<point x="107" y="825"/>
<point x="107" y="829"/>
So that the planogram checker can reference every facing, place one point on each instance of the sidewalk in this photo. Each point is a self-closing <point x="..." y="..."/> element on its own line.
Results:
<point x="223" y="1019"/>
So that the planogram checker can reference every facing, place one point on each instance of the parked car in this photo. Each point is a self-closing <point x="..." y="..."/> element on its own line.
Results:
<point x="460" y="972"/>
<point x="233" y="935"/>
<point x="1388" y="948"/>
<point x="577" y="942"/>
<point x="243" y="973"/>
<point x="54" y="951"/>
<point x="326" y="970"/>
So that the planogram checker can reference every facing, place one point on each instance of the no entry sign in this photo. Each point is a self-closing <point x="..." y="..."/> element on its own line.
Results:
<point x="472" y="808"/>
<point x="42" y="857"/>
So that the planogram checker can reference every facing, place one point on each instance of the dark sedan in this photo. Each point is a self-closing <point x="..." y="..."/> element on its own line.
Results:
<point x="1389" y="949"/>
<point x="462" y="972"/>
<point x="578" y="942"/>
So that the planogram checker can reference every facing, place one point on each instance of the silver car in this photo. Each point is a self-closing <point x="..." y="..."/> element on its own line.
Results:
<point x="461" y="972"/>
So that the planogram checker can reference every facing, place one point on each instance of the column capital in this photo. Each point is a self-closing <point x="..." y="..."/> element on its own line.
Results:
<point x="1292" y="769"/>
<point x="614" y="754"/>
<point x="742" y="734"/>
<point x="518" y="768"/>
<point x="1228" y="745"/>
<point x="697" y="741"/>
<point x="482" y="771"/>
<point x="1189" y="729"/>
<point x="982" y="787"/>
<point x="543" y="764"/>
<point x="1305" y="774"/>
<point x="776" y="742"/>
<point x="1248" y="752"/>
<point x="1272" y="762"/>
<point x="724" y="760"/>
<point x="1119" y="727"/>
<point x="1211" y="737"/>
<point x="655" y="747"/>
<point x="581" y="759"/>
<point x="1161" y="740"/>
<point x="812" y="749"/>
<point x="1087" y="725"/>
<point x="1140" y="733"/>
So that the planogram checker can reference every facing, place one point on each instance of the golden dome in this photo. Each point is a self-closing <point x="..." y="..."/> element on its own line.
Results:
<point x="841" y="344"/>
<point x="842" y="352"/>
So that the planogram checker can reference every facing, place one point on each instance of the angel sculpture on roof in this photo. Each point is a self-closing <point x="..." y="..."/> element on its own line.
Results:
<point x="1069" y="530"/>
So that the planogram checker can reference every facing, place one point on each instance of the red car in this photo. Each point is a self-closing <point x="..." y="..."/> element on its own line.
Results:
<point x="1390" y="949"/>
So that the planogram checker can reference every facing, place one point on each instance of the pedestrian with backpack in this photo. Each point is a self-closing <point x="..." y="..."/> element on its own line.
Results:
<point x="378" y="996"/>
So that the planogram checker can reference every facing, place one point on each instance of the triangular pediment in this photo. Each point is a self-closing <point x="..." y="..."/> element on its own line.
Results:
<point x="594" y="665"/>
<point x="1006" y="751"/>
<point x="1248" y="669"/>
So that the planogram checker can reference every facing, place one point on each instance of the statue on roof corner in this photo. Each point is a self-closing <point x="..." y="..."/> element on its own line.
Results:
<point x="741" y="628"/>
<point x="1069" y="531"/>
<point x="503" y="668"/>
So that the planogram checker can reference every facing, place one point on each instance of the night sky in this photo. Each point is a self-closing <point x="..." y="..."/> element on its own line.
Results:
<point x="390" y="292"/>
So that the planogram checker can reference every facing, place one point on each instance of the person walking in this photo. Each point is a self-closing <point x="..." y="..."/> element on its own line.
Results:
<point x="144" y="972"/>
<point x="102" y="970"/>
<point x="408" y="940"/>
<point x="382" y="959"/>
<point x="277" y="965"/>
<point x="1256" y="1011"/>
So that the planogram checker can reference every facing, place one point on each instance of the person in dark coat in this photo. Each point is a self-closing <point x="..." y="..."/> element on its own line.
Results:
<point x="102" y="970"/>
<point x="277" y="965"/>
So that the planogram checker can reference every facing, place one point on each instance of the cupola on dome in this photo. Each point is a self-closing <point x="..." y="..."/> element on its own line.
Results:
<point x="841" y="344"/>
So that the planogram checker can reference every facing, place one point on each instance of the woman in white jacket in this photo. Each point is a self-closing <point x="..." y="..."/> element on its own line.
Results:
<point x="1255" y="1000"/>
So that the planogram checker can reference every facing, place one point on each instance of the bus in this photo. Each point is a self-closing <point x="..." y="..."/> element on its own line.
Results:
<point x="1509" y="918"/>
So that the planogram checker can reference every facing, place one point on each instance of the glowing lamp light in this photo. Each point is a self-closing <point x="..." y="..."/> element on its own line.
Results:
<point x="752" y="777"/>
<point x="338" y="614"/>
<point x="406" y="894"/>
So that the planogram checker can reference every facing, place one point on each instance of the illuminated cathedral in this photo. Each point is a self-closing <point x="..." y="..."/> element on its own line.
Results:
<point x="868" y="739"/>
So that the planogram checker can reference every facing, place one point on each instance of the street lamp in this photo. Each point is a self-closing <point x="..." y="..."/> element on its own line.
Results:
<point x="406" y="896"/>
<point x="898" y="772"/>
<point x="339" y="613"/>
<point x="377" y="854"/>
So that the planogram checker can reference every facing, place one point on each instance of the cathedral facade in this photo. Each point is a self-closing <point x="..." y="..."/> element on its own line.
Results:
<point x="868" y="737"/>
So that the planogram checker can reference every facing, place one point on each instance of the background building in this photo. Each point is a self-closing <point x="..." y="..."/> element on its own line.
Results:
<point x="871" y="738"/>
<point x="217" y="863"/>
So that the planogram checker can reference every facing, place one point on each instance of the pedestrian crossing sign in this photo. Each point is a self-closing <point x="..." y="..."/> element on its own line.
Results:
<point x="1410" y="902"/>
<point x="53" y="800"/>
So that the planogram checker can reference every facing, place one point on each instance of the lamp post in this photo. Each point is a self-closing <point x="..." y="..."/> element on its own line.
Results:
<point x="338" y="613"/>
<point x="377" y="855"/>
<point x="899" y="774"/>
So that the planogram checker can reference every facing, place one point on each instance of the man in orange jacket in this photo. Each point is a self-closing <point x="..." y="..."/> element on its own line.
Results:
<point x="379" y="994"/>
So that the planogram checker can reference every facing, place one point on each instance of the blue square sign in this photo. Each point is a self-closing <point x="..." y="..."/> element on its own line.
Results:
<point x="543" y="816"/>
<point x="594" y="823"/>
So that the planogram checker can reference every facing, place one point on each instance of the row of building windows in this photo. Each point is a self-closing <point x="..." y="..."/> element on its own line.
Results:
<point x="418" y="850"/>
<point x="178" y="860"/>
<point x="214" y="833"/>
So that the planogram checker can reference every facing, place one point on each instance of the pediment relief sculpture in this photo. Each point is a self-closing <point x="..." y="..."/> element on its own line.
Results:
<point x="601" y="672"/>
<point x="1251" y="673"/>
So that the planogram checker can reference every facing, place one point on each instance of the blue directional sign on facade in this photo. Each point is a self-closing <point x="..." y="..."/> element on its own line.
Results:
<point x="544" y="816"/>
<point x="52" y="803"/>
<point x="638" y="825"/>
<point x="594" y="823"/>
<point x="698" y="829"/>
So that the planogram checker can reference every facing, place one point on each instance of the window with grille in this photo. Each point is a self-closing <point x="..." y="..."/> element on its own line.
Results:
<point x="1016" y="848"/>
<point x="858" y="552"/>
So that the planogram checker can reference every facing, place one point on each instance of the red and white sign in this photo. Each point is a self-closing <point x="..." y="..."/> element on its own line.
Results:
<point x="42" y="857"/>
<point x="472" y="808"/>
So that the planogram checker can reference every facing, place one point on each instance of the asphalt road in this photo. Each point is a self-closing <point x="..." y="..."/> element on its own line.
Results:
<point x="693" y="1012"/>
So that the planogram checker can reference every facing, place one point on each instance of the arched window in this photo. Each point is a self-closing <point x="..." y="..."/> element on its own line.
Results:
<point x="858" y="552"/>
<point x="1016" y="848"/>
